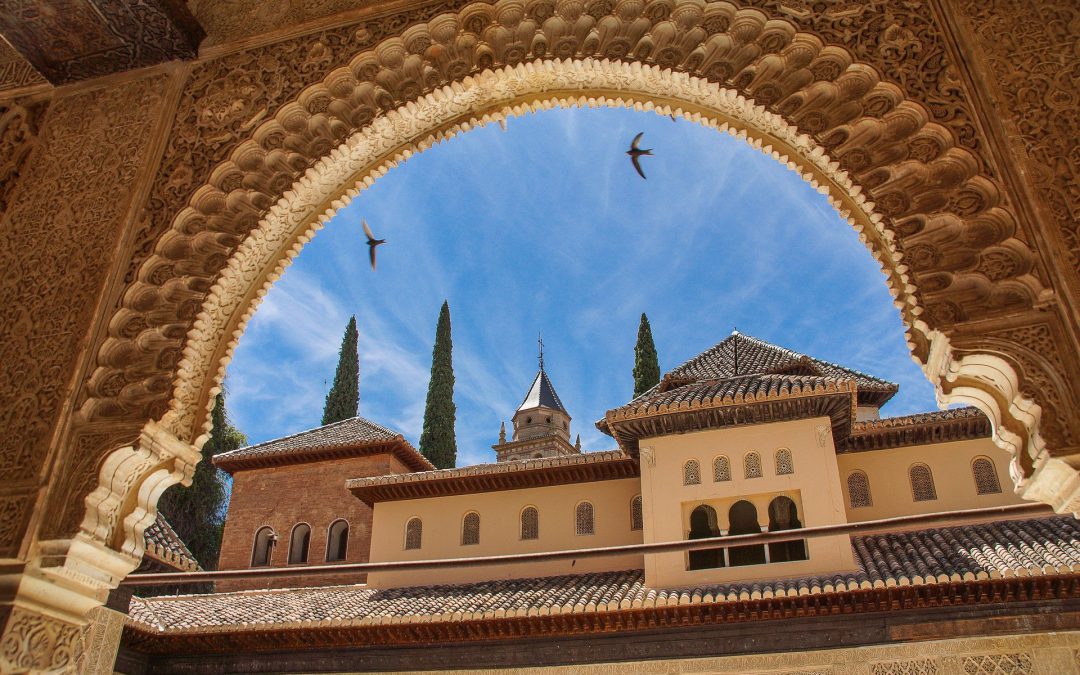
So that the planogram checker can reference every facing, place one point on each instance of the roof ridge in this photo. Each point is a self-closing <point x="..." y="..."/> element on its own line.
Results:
<point x="307" y="431"/>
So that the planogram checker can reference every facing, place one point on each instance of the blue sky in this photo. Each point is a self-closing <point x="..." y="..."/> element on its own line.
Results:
<point x="545" y="226"/>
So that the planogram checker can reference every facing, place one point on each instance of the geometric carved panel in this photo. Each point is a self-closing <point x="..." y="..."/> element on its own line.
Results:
<point x="998" y="664"/>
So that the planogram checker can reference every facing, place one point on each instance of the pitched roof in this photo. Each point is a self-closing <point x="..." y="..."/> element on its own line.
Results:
<point x="757" y="357"/>
<point x="513" y="474"/>
<point x="993" y="550"/>
<point x="542" y="393"/>
<point x="165" y="546"/>
<point x="336" y="439"/>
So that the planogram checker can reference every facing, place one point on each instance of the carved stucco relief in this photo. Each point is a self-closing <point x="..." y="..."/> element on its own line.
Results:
<point x="58" y="238"/>
<point x="959" y="237"/>
<point x="1031" y="51"/>
<point x="20" y="123"/>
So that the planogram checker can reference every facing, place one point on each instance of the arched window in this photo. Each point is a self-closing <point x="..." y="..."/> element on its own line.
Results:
<point x="922" y="483"/>
<point x="986" y="480"/>
<point x="530" y="523"/>
<point x="414" y="534"/>
<point x="298" y="544"/>
<point x="752" y="465"/>
<point x="721" y="469"/>
<point x="742" y="517"/>
<point x="784" y="463"/>
<point x="470" y="529"/>
<point x="784" y="515"/>
<point x="703" y="526"/>
<point x="264" y="544"/>
<point x="583" y="518"/>
<point x="858" y="490"/>
<point x="691" y="473"/>
<point x="337" y="541"/>
<point x="636" y="522"/>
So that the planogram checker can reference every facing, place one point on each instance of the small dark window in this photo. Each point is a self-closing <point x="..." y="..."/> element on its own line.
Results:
<point x="298" y="544"/>
<point x="414" y="532"/>
<point x="583" y="519"/>
<point x="530" y="523"/>
<point x="337" y="541"/>
<point x="470" y="529"/>
<point x="635" y="513"/>
<point x="264" y="544"/>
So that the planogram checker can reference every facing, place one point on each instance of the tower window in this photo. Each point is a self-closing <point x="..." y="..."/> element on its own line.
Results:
<point x="721" y="469"/>
<point x="752" y="465"/>
<point x="264" y="543"/>
<point x="414" y="534"/>
<point x="298" y="544"/>
<point x="784" y="464"/>
<point x="337" y="541"/>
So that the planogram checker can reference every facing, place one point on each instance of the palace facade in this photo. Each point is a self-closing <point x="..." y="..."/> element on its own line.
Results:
<point x="746" y="437"/>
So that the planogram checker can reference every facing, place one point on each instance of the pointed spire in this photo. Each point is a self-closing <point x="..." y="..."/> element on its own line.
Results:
<point x="577" y="443"/>
<point x="502" y="431"/>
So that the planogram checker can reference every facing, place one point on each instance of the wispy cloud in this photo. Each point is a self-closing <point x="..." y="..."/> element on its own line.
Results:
<point x="547" y="227"/>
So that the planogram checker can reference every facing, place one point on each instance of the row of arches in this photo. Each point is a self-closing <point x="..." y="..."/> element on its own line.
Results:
<point x="743" y="519"/>
<point x="784" y="463"/>
<point x="921" y="481"/>
<point x="528" y="524"/>
<point x="337" y="544"/>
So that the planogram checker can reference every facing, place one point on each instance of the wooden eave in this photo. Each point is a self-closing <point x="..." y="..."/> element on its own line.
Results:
<point x="866" y="436"/>
<point x="397" y="446"/>
<point x="407" y="631"/>
<point x="543" y="476"/>
<point x="838" y="403"/>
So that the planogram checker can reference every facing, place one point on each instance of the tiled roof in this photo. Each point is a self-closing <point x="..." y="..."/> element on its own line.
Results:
<point x="165" y="546"/>
<point x="575" y="468"/>
<point x="730" y="391"/>
<point x="940" y="426"/>
<point x="355" y="432"/>
<point x="542" y="393"/>
<point x="757" y="357"/>
<point x="1027" y="548"/>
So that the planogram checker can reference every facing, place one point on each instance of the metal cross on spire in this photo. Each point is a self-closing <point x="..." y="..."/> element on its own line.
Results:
<point x="540" y="343"/>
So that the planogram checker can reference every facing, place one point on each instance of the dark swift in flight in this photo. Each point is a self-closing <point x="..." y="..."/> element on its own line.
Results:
<point x="635" y="153"/>
<point x="372" y="242"/>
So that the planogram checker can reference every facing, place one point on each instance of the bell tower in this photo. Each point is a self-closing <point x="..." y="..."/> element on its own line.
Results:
<point x="541" y="423"/>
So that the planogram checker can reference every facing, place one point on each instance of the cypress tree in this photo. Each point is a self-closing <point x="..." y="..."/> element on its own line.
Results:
<point x="437" y="441"/>
<point x="343" y="401"/>
<point x="197" y="513"/>
<point x="646" y="364"/>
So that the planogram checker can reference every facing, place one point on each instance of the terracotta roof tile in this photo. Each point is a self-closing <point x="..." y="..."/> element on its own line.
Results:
<point x="165" y="546"/>
<point x="919" y="429"/>
<point x="982" y="551"/>
<point x="353" y="432"/>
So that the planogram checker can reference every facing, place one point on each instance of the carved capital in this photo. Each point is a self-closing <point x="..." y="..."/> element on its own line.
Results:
<point x="130" y="482"/>
<point x="33" y="641"/>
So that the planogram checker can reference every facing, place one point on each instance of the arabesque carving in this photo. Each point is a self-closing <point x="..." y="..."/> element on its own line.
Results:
<point x="20" y="124"/>
<point x="963" y="248"/>
<point x="36" y="642"/>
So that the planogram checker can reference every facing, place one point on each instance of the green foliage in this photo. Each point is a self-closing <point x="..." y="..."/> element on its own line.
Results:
<point x="197" y="513"/>
<point x="646" y="363"/>
<point x="437" y="442"/>
<point x="343" y="401"/>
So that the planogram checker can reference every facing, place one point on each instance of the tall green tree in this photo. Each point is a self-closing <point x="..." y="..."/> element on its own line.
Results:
<point x="197" y="513"/>
<point x="343" y="401"/>
<point x="646" y="363"/>
<point x="437" y="441"/>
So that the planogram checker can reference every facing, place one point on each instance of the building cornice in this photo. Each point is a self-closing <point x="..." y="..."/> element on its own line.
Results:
<point x="959" y="424"/>
<point x="397" y="446"/>
<point x="512" y="475"/>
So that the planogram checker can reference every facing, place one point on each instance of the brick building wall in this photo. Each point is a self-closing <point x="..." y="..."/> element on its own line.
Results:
<point x="283" y="496"/>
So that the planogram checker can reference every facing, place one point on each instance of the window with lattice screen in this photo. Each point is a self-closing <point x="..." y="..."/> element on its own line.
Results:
<point x="470" y="529"/>
<point x="530" y="523"/>
<point x="752" y="465"/>
<point x="635" y="513"/>
<point x="922" y="483"/>
<point x="858" y="487"/>
<point x="721" y="469"/>
<point x="691" y="473"/>
<point x="583" y="518"/>
<point x="414" y="534"/>
<point x="986" y="479"/>
<point x="784" y="464"/>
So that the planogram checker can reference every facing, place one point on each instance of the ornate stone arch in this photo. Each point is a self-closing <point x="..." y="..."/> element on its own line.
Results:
<point x="925" y="205"/>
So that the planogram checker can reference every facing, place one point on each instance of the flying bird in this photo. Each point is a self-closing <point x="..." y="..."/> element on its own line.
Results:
<point x="635" y="153"/>
<point x="372" y="242"/>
